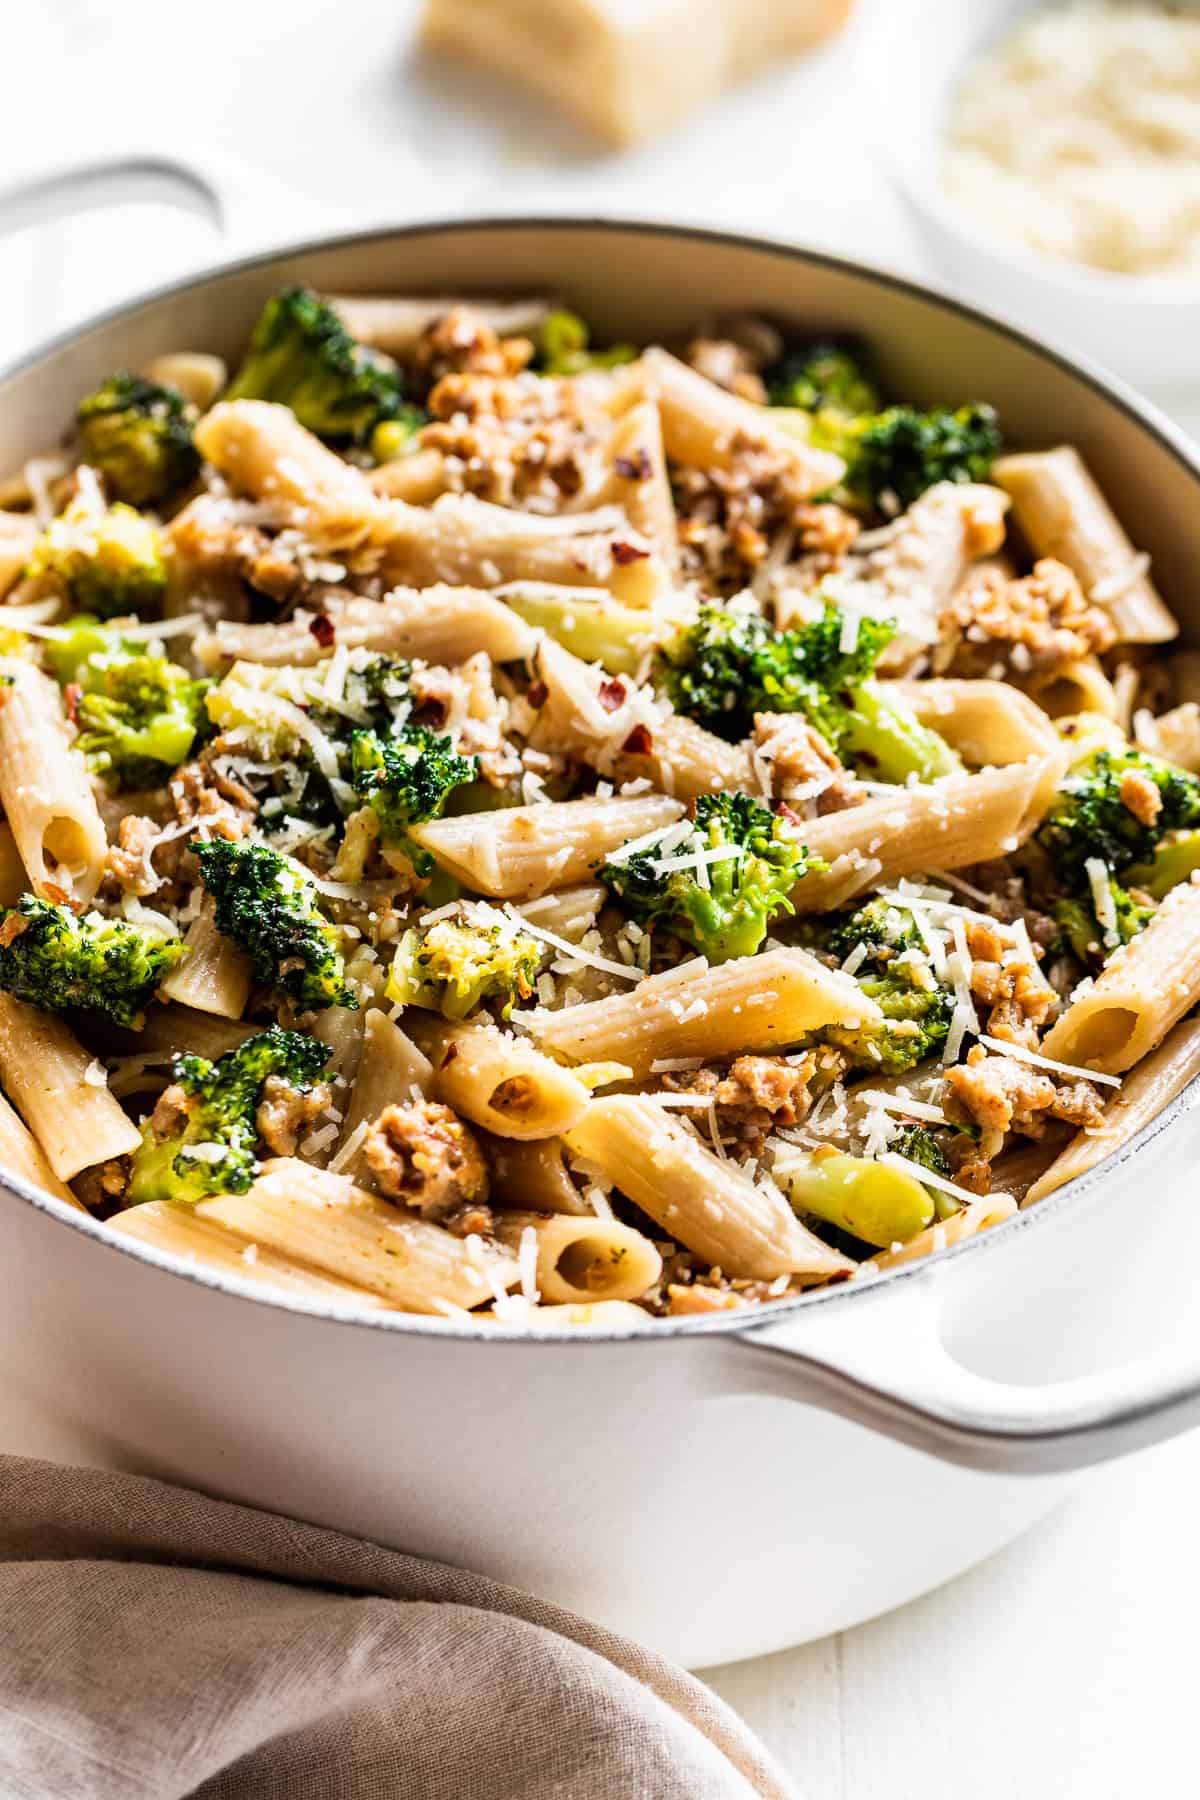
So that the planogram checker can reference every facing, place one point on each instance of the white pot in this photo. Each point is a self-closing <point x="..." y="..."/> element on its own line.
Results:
<point x="717" y="1488"/>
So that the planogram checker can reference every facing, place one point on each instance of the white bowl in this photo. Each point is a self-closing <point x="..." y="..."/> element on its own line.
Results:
<point x="1143" y="327"/>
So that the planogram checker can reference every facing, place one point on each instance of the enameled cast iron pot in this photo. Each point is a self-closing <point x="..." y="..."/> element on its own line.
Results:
<point x="721" y="1487"/>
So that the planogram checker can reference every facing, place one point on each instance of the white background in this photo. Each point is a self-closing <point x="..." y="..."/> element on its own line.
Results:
<point x="1065" y="1666"/>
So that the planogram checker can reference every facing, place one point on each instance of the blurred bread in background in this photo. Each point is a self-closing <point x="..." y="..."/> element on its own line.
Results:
<point x="628" y="68"/>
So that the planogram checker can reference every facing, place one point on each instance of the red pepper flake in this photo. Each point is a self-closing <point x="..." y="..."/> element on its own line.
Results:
<point x="785" y="812"/>
<point x="322" y="629"/>
<point x="639" y="742"/>
<point x="537" y="693"/>
<point x="450" y="1056"/>
<point x="635" y="467"/>
<point x="430" y="709"/>
<point x="72" y="695"/>
<point x="611" y="695"/>
<point x="625" y="554"/>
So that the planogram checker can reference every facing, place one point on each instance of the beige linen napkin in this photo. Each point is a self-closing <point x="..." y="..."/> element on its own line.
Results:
<point x="155" y="1643"/>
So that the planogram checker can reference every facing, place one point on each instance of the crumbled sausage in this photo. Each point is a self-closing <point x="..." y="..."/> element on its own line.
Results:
<point x="729" y="366"/>
<point x="1000" y="1094"/>
<point x="1029" y="625"/>
<point x="462" y="342"/>
<point x="1141" y="796"/>
<point x="755" y="1094"/>
<point x="284" y="1113"/>
<point x="129" y="860"/>
<point x="1021" y="1000"/>
<point x="423" y="1155"/>
<point x="799" y="758"/>
<point x="517" y="440"/>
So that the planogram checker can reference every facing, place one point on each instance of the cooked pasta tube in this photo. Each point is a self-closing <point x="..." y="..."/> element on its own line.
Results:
<point x="45" y="789"/>
<point x="179" y="1028"/>
<point x="624" y="736"/>
<point x="419" y="478"/>
<point x="525" y="850"/>
<point x="439" y="624"/>
<point x="584" y="1259"/>
<point x="181" y="1232"/>
<point x="992" y="1210"/>
<point x="263" y="451"/>
<point x="1062" y="513"/>
<point x="60" y="1091"/>
<point x="639" y="482"/>
<point x="1072" y="688"/>
<point x="18" y="534"/>
<point x="763" y="1002"/>
<point x="502" y="1082"/>
<point x="989" y="723"/>
<point x="212" y="976"/>
<point x="21" y="1154"/>
<point x="395" y="323"/>
<point x="196" y="375"/>
<point x="463" y="539"/>
<point x="13" y="879"/>
<point x="924" y="559"/>
<point x="534" y="1175"/>
<point x="323" y="1220"/>
<point x="702" y="425"/>
<point x="1142" y="1096"/>
<point x="701" y="1200"/>
<point x="568" y="912"/>
<point x="945" y="825"/>
<point x="1142" y="990"/>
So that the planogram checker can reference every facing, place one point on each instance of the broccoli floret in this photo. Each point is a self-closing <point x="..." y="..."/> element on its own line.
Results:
<point x="917" y="1012"/>
<point x="563" y="347"/>
<point x="109" y="559"/>
<point x="1090" y="822"/>
<point x="268" y="906"/>
<point x="407" y="778"/>
<point x="211" y="1149"/>
<point x="302" y="356"/>
<point x="139" y="720"/>
<point x="138" y="434"/>
<point x="54" y="960"/>
<point x="458" y="962"/>
<point x="917" y="1144"/>
<point x="824" y="376"/>
<point x="728" y="665"/>
<point x="892" y="457"/>
<point x="728" y="912"/>
<point x="885" y="928"/>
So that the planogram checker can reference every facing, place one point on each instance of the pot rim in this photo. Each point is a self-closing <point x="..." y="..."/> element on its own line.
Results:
<point x="1111" y="390"/>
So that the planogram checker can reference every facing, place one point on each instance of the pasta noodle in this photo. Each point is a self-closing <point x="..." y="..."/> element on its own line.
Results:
<point x="583" y="1260"/>
<point x="529" y="849"/>
<point x="46" y="795"/>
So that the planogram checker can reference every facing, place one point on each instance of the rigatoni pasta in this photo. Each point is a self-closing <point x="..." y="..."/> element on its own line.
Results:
<point x="565" y="835"/>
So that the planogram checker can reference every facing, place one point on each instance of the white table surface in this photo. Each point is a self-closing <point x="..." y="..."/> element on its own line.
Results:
<point x="1065" y="1665"/>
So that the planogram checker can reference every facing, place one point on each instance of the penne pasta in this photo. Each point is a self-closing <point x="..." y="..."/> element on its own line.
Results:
<point x="1145" y="987"/>
<point x="923" y="560"/>
<point x="502" y="1082"/>
<point x="264" y="452"/>
<point x="586" y="1259"/>
<point x="391" y="1069"/>
<point x="989" y="723"/>
<point x="21" y="1154"/>
<point x="527" y="850"/>
<point x="45" y="790"/>
<point x="746" y="1229"/>
<point x="18" y="534"/>
<point x="212" y="976"/>
<point x="60" y="1091"/>
<point x="949" y="824"/>
<point x="437" y="625"/>
<point x="764" y="1002"/>
<point x="533" y="1176"/>
<point x="324" y="1221"/>
<point x="1063" y="514"/>
<point x="395" y="323"/>
<point x="994" y="1209"/>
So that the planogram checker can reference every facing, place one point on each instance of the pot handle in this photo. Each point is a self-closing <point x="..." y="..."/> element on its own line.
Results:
<point x="249" y="206"/>
<point x="883" y="1362"/>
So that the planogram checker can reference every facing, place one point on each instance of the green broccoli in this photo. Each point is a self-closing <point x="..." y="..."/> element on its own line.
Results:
<point x="458" y="962"/>
<point x="55" y="960"/>
<point x="917" y="1010"/>
<point x="823" y="377"/>
<point x="563" y="347"/>
<point x="139" y="720"/>
<point x="407" y="778"/>
<point x="735" y="873"/>
<point x="302" y="356"/>
<point x="206" y="1143"/>
<point x="109" y="559"/>
<point x="729" y="665"/>
<point x="892" y="457"/>
<point x="917" y="1144"/>
<point x="138" y="434"/>
<point x="1091" y="823"/>
<point x="268" y="906"/>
